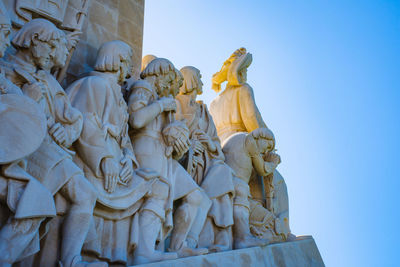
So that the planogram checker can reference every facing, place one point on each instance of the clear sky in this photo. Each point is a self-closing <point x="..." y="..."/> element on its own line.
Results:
<point x="326" y="77"/>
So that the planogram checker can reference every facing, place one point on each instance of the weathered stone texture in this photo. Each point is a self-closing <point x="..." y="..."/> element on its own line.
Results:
<point x="302" y="252"/>
<point x="109" y="20"/>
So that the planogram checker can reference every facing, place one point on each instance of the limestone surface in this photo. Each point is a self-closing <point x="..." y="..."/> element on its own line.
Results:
<point x="301" y="252"/>
<point x="112" y="170"/>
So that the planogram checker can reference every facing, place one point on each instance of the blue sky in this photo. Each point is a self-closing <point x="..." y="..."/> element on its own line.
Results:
<point x="326" y="76"/>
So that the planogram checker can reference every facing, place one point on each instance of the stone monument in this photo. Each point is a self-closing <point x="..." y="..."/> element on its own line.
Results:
<point x="108" y="159"/>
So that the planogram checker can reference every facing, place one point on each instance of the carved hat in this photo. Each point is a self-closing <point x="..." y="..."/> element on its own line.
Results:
<point x="242" y="62"/>
<point x="221" y="76"/>
<point x="4" y="19"/>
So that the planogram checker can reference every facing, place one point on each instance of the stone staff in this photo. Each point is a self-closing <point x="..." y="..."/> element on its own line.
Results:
<point x="83" y="12"/>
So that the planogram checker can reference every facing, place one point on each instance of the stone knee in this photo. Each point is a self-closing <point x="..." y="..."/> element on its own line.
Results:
<point x="194" y="198"/>
<point x="156" y="199"/>
<point x="159" y="190"/>
<point x="81" y="193"/>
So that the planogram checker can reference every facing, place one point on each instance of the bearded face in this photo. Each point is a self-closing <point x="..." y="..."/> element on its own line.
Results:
<point x="43" y="53"/>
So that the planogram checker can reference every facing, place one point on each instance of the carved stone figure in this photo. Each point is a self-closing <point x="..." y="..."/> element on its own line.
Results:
<point x="244" y="154"/>
<point x="130" y="200"/>
<point x="146" y="60"/>
<point x="25" y="203"/>
<point x="150" y="113"/>
<point x="41" y="46"/>
<point x="235" y="110"/>
<point x="205" y="161"/>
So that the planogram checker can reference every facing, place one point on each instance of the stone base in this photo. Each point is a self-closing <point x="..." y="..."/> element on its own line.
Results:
<point x="302" y="252"/>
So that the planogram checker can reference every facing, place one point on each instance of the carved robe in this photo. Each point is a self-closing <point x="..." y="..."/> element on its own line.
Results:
<point x="274" y="224"/>
<point x="235" y="110"/>
<point x="150" y="147"/>
<point x="213" y="175"/>
<point x="22" y="194"/>
<point x="105" y="135"/>
<point x="51" y="163"/>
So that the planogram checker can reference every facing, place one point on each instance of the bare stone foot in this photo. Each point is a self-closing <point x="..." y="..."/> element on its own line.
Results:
<point x="188" y="252"/>
<point x="156" y="256"/>
<point x="217" y="248"/>
<point x="249" y="241"/>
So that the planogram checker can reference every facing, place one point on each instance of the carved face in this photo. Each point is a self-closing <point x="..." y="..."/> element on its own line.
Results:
<point x="5" y="31"/>
<point x="43" y="53"/>
<point x="125" y="70"/>
<point x="164" y="83"/>
<point x="61" y="53"/>
<point x="176" y="84"/>
<point x="243" y="75"/>
<point x="199" y="85"/>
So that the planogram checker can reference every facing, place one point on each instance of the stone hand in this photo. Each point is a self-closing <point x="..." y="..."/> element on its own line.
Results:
<point x="197" y="147"/>
<point x="205" y="139"/>
<point x="126" y="172"/>
<point x="73" y="39"/>
<point x="110" y="169"/>
<point x="57" y="131"/>
<point x="147" y="174"/>
<point x="181" y="146"/>
<point x="272" y="157"/>
<point x="197" y="160"/>
<point x="167" y="103"/>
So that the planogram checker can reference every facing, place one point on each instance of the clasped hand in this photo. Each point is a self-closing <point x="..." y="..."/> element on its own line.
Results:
<point x="115" y="174"/>
<point x="57" y="131"/>
<point x="206" y="140"/>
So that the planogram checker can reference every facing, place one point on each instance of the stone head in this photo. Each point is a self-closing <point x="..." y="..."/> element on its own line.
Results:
<point x="176" y="83"/>
<point x="115" y="57"/>
<point x="237" y="72"/>
<point x="221" y="76"/>
<point x="160" y="73"/>
<point x="61" y="52"/>
<point x="192" y="83"/>
<point x="265" y="139"/>
<point x="146" y="60"/>
<point x="5" y="29"/>
<point x="39" y="39"/>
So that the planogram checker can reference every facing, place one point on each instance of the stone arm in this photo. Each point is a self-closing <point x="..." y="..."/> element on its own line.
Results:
<point x="90" y="96"/>
<point x="91" y="145"/>
<point x="257" y="160"/>
<point x="127" y="149"/>
<point x="249" y="112"/>
<point x="140" y="111"/>
<point x="69" y="117"/>
<point x="212" y="132"/>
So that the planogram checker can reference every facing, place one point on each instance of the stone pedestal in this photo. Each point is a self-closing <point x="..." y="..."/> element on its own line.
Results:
<point x="302" y="252"/>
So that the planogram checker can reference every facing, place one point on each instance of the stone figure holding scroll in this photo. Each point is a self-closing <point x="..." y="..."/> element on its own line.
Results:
<point x="205" y="161"/>
<point x="159" y="140"/>
<point x="41" y="46"/>
<point x="130" y="200"/>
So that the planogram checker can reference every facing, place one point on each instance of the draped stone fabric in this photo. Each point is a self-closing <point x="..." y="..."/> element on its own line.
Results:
<point x="105" y="135"/>
<point x="235" y="110"/>
<point x="214" y="176"/>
